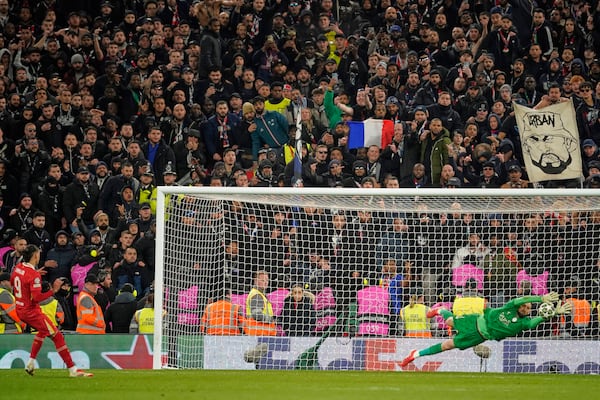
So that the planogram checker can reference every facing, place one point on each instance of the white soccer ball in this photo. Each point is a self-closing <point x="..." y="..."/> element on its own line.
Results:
<point x="546" y="310"/>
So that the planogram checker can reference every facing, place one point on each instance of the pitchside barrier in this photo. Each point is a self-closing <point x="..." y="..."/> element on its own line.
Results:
<point x="135" y="352"/>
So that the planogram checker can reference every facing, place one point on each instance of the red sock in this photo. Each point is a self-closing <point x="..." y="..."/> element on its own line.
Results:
<point x="38" y="341"/>
<point x="63" y="350"/>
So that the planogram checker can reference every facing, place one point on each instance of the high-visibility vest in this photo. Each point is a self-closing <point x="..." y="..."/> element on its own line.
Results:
<point x="145" y="320"/>
<point x="89" y="320"/>
<point x="9" y="320"/>
<point x="416" y="323"/>
<point x="53" y="310"/>
<point x="222" y="318"/>
<point x="258" y="328"/>
<point x="582" y="312"/>
<point x="468" y="305"/>
<point x="149" y="196"/>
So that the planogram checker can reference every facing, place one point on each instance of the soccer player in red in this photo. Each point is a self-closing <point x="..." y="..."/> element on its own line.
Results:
<point x="27" y="289"/>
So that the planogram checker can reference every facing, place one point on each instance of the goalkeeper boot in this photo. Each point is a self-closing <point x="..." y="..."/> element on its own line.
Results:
<point x="434" y="311"/>
<point x="30" y="367"/>
<point x="79" y="373"/>
<point x="411" y="357"/>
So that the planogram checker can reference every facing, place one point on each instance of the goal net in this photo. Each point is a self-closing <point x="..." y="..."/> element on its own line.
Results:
<point x="253" y="278"/>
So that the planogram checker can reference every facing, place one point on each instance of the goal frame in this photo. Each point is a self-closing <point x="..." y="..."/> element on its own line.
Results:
<point x="266" y="193"/>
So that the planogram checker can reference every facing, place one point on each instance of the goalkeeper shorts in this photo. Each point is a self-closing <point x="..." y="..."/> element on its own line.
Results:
<point x="468" y="335"/>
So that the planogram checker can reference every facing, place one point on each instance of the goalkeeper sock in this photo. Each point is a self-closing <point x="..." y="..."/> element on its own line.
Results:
<point x="436" y="348"/>
<point x="62" y="349"/>
<point x="445" y="314"/>
<point x="36" y="346"/>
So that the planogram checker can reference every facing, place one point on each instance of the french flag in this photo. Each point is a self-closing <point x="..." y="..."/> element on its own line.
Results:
<point x="369" y="132"/>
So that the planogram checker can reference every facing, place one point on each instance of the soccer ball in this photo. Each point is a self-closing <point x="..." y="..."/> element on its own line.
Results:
<point x="546" y="310"/>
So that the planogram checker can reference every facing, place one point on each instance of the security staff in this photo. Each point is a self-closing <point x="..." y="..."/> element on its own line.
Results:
<point x="222" y="317"/>
<point x="414" y="316"/>
<point x="90" y="318"/>
<point x="9" y="320"/>
<point x="260" y="320"/>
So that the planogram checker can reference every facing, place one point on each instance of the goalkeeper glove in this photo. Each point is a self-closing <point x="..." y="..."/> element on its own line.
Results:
<point x="551" y="297"/>
<point x="563" y="309"/>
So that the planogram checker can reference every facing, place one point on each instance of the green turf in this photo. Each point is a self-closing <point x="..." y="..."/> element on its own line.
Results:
<point x="291" y="385"/>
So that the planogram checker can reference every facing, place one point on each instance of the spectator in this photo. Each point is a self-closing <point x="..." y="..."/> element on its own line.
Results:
<point x="500" y="271"/>
<point x="219" y="131"/>
<point x="514" y="178"/>
<point x="488" y="178"/>
<point x="417" y="178"/>
<point x="434" y="149"/>
<point x="297" y="317"/>
<point x="63" y="293"/>
<point x="107" y="292"/>
<point x="111" y="191"/>
<point x="32" y="163"/>
<point x="271" y="128"/>
<point x="191" y="158"/>
<point x="429" y="92"/>
<point x="589" y="128"/>
<point x="81" y="193"/>
<point x="395" y="282"/>
<point x="505" y="44"/>
<point x="158" y="153"/>
<point x="39" y="236"/>
<point x="8" y="185"/>
<point x="59" y="258"/>
<point x="106" y="233"/>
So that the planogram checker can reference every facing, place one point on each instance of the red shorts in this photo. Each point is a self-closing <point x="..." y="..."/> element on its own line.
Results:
<point x="39" y="321"/>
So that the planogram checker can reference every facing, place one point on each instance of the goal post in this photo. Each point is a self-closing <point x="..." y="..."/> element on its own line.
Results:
<point x="359" y="265"/>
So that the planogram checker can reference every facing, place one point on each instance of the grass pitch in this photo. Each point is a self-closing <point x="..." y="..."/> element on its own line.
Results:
<point x="291" y="385"/>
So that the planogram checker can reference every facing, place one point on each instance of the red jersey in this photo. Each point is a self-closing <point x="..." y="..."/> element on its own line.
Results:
<point x="27" y="288"/>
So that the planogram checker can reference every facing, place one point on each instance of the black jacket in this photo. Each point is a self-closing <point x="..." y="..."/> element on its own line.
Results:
<point x="298" y="319"/>
<point x="164" y="155"/>
<point x="75" y="195"/>
<point x="119" y="314"/>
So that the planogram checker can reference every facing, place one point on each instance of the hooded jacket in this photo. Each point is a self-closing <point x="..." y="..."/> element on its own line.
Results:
<point x="119" y="314"/>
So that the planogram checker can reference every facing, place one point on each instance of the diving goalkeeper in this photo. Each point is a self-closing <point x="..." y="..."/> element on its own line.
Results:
<point x="494" y="324"/>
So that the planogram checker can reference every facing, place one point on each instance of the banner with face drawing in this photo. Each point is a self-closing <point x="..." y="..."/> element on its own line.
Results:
<point x="550" y="141"/>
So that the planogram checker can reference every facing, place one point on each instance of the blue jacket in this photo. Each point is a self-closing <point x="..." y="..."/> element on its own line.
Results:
<point x="212" y="137"/>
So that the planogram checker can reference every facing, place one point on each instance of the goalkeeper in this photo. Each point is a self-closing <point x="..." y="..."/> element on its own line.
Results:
<point x="494" y="324"/>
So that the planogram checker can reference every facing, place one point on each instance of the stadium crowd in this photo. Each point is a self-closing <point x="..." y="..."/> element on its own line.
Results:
<point x="102" y="102"/>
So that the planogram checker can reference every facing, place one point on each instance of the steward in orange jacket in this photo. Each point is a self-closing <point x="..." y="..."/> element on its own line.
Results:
<point x="222" y="318"/>
<point x="90" y="318"/>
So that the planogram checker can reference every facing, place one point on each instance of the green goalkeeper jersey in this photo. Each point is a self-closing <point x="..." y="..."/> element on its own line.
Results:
<point x="500" y="323"/>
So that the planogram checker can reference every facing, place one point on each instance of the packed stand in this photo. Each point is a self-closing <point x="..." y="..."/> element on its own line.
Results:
<point x="101" y="103"/>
